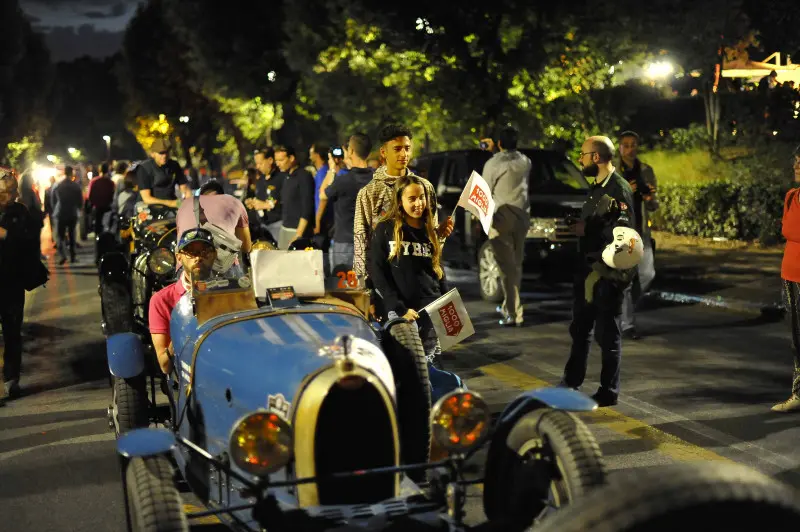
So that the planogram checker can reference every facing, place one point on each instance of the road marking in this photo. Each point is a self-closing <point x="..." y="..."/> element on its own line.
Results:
<point x="107" y="436"/>
<point x="663" y="442"/>
<point x="208" y="520"/>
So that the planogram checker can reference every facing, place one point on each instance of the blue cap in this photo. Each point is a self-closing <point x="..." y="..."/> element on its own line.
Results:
<point x="195" y="234"/>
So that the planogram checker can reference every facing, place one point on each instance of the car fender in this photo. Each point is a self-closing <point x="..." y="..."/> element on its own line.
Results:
<point x="554" y="397"/>
<point x="125" y="353"/>
<point x="144" y="442"/>
<point x="114" y="268"/>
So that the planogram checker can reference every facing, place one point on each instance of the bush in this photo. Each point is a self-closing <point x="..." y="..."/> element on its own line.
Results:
<point x="742" y="210"/>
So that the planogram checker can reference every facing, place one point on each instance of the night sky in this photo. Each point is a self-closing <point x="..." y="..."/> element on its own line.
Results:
<point x="74" y="28"/>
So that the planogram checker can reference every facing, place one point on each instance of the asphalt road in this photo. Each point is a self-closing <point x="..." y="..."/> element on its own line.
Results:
<point x="698" y="387"/>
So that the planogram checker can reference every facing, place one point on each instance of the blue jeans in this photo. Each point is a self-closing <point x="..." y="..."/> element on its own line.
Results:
<point x="341" y="254"/>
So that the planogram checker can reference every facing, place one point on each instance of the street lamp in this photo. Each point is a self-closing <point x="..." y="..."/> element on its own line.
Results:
<point x="107" y="138"/>
<point x="184" y="119"/>
<point x="659" y="69"/>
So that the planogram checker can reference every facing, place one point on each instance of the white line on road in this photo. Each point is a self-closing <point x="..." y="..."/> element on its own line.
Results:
<point x="106" y="436"/>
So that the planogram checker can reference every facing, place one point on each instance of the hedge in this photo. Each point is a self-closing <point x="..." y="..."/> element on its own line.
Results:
<point x="748" y="210"/>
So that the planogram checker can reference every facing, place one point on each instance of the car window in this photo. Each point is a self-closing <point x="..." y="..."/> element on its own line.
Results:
<point x="456" y="171"/>
<point x="553" y="173"/>
<point x="435" y="170"/>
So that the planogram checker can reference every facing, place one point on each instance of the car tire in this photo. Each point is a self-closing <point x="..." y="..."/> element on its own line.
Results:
<point x="129" y="404"/>
<point x="549" y="459"/>
<point x="685" y="497"/>
<point x="155" y="504"/>
<point x="406" y="356"/>
<point x="489" y="274"/>
<point x="117" y="307"/>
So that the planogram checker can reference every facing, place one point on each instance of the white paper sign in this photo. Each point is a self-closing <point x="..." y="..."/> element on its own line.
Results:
<point x="477" y="199"/>
<point x="299" y="269"/>
<point x="450" y="319"/>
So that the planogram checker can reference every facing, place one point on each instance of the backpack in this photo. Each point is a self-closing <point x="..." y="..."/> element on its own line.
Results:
<point x="228" y="246"/>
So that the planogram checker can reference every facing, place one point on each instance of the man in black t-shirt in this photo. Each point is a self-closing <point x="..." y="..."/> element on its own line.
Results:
<point x="342" y="191"/>
<point x="158" y="176"/>
<point x="298" y="198"/>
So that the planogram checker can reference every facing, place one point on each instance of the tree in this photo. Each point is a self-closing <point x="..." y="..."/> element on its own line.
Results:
<point x="25" y="81"/>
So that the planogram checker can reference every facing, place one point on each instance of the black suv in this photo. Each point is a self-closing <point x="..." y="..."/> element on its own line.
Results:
<point x="557" y="189"/>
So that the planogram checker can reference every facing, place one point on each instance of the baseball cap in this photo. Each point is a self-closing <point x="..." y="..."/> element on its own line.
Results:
<point x="160" y="145"/>
<point x="195" y="234"/>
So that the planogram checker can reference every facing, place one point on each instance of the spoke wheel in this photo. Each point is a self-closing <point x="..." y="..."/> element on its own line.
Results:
<point x="489" y="274"/>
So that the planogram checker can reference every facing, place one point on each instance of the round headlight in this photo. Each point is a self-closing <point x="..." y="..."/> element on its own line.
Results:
<point x="261" y="443"/>
<point x="161" y="261"/>
<point x="459" y="420"/>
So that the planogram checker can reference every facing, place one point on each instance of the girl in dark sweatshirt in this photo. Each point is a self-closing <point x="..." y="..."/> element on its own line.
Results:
<point x="405" y="259"/>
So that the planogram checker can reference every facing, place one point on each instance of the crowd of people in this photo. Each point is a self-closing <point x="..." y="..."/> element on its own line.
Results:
<point x="381" y="223"/>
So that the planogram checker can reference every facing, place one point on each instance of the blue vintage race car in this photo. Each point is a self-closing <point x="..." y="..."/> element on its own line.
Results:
<point x="292" y="413"/>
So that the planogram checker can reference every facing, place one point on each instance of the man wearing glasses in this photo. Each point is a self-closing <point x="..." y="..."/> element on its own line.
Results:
<point x="196" y="253"/>
<point x="598" y="289"/>
<point x="159" y="175"/>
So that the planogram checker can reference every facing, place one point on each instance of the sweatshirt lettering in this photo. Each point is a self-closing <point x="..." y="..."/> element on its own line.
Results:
<point x="414" y="249"/>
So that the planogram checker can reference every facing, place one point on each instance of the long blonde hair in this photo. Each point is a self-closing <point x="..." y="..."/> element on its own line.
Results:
<point x="398" y="215"/>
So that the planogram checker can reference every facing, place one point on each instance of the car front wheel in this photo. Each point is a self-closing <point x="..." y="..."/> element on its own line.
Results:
<point x="489" y="274"/>
<point x="155" y="504"/>
<point x="129" y="405"/>
<point x="549" y="459"/>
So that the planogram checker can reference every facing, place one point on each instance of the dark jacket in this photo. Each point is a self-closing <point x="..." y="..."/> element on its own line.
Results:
<point x="609" y="205"/>
<point x="20" y="247"/>
<point x="646" y="185"/>
<point x="407" y="281"/>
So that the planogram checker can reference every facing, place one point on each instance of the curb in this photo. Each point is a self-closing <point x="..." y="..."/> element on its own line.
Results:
<point x="739" y="305"/>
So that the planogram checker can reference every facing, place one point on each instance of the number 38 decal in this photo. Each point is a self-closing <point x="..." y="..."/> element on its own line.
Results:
<point x="347" y="280"/>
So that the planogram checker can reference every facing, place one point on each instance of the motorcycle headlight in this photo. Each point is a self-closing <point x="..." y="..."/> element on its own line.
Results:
<point x="261" y="443"/>
<point x="459" y="420"/>
<point x="542" y="228"/>
<point x="161" y="261"/>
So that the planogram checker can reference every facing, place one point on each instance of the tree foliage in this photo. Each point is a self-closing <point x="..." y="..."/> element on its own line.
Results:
<point x="25" y="79"/>
<point x="302" y="70"/>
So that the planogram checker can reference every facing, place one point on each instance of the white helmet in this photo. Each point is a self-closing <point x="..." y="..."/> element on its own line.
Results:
<point x="625" y="251"/>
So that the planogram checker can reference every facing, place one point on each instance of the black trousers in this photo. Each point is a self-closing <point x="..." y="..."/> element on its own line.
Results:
<point x="66" y="230"/>
<point x="601" y="317"/>
<point x="791" y="292"/>
<point x="12" y="308"/>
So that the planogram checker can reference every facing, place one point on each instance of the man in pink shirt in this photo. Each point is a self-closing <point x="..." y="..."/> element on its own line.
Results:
<point x="196" y="253"/>
<point x="223" y="210"/>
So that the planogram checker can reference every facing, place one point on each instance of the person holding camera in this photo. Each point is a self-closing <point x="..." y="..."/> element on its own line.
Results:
<point x="642" y="180"/>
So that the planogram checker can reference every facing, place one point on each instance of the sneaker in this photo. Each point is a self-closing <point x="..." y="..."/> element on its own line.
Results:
<point x="509" y="322"/>
<point x="792" y="404"/>
<point x="631" y="334"/>
<point x="11" y="389"/>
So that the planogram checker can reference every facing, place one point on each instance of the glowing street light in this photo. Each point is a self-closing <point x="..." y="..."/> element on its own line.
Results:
<point x="107" y="138"/>
<point x="659" y="69"/>
<point x="52" y="158"/>
<point x="184" y="119"/>
<point x="71" y="150"/>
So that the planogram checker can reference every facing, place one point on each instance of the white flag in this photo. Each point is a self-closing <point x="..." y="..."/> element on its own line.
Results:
<point x="450" y="319"/>
<point x="477" y="199"/>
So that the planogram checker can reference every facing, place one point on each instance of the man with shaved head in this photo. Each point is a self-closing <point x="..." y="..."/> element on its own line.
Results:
<point x="598" y="289"/>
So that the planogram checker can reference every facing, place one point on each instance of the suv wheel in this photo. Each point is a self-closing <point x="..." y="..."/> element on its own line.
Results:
<point x="489" y="274"/>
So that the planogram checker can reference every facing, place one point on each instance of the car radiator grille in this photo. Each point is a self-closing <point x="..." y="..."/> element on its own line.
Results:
<point x="354" y="433"/>
<point x="563" y="234"/>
